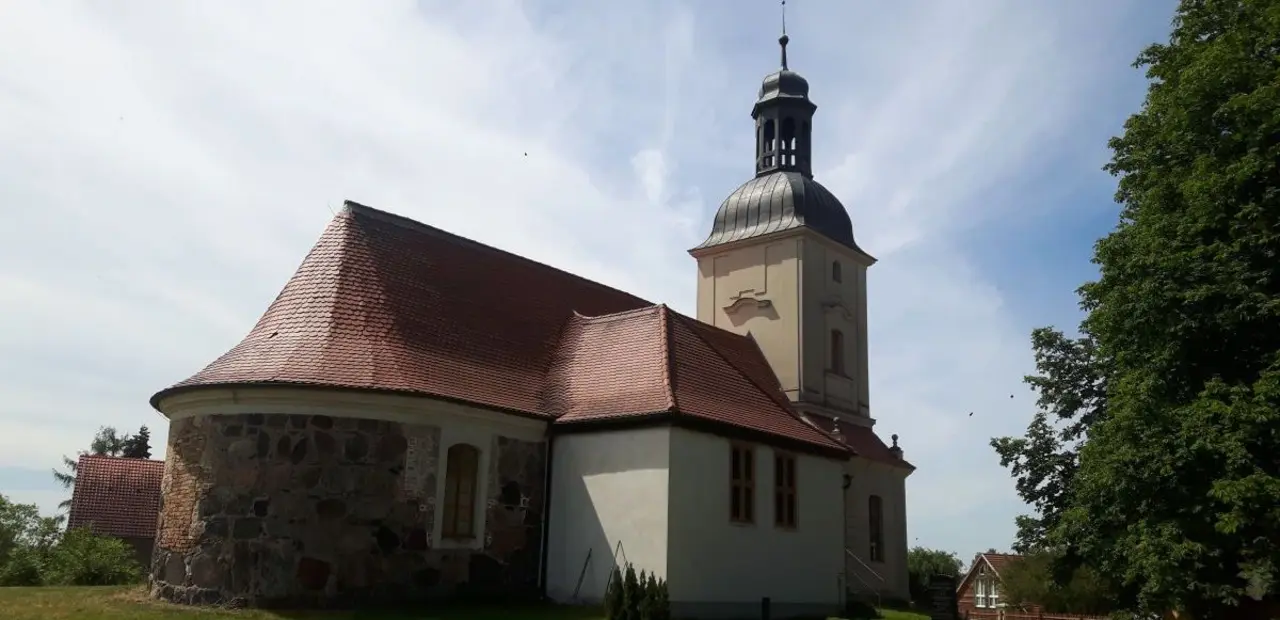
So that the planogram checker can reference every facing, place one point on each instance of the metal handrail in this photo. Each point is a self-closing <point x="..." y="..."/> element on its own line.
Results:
<point x="869" y="587"/>
<point x="864" y="565"/>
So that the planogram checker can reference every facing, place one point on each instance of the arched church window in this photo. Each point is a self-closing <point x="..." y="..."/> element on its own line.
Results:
<point x="835" y="272"/>
<point x="837" y="352"/>
<point x="875" y="526"/>
<point x="461" y="464"/>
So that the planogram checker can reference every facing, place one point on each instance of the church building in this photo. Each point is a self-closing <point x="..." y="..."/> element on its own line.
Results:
<point x="420" y="416"/>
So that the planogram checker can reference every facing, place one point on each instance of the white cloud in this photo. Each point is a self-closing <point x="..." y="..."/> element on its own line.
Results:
<point x="167" y="165"/>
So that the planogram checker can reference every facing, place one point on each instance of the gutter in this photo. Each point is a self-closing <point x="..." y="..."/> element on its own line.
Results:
<point x="546" y="516"/>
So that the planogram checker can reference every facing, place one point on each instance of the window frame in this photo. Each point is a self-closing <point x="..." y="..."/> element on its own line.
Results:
<point x="837" y="352"/>
<point x="875" y="528"/>
<point x="785" y="491"/>
<point x="742" y="484"/>
<point x="453" y="510"/>
<point x="837" y="272"/>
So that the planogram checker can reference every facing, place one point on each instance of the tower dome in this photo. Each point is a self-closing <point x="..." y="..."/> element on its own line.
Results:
<point x="783" y="195"/>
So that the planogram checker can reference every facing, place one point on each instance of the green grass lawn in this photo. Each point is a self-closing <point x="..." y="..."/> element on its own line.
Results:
<point x="131" y="603"/>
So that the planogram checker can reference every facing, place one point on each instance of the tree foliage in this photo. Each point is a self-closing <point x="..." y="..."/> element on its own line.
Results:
<point x="34" y="550"/>
<point x="1174" y="492"/>
<point x="106" y="442"/>
<point x="923" y="563"/>
<point x="138" y="445"/>
<point x="1029" y="580"/>
<point x="629" y="596"/>
<point x="1070" y="383"/>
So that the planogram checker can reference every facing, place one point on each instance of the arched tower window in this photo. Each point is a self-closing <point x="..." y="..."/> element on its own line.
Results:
<point x="767" y="145"/>
<point x="875" y="526"/>
<point x="461" y="466"/>
<point x="835" y="272"/>
<point x="788" y="142"/>
<point x="837" y="352"/>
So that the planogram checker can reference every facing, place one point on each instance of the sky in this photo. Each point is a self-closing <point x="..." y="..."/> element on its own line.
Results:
<point x="166" y="166"/>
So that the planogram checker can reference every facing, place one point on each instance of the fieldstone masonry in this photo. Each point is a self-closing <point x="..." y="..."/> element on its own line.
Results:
<point x="303" y="511"/>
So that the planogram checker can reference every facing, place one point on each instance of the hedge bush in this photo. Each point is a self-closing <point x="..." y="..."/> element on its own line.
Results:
<point x="35" y="551"/>
<point x="632" y="596"/>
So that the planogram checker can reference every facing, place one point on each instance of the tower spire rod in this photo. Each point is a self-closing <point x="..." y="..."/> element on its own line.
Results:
<point x="782" y="40"/>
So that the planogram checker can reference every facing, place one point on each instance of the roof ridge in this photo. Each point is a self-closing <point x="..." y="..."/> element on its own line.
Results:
<point x="118" y="457"/>
<point x="785" y="406"/>
<point x="668" y="371"/>
<point x="405" y="222"/>
<point x="614" y="316"/>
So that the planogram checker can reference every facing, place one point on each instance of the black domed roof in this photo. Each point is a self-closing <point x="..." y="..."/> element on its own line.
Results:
<point x="780" y="201"/>
<point x="783" y="83"/>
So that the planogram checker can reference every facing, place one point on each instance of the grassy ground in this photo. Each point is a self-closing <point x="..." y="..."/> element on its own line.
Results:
<point x="132" y="604"/>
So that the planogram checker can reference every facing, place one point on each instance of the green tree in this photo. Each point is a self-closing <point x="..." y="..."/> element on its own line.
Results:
<point x="613" y="595"/>
<point x="1071" y="387"/>
<point x="107" y="441"/>
<point x="630" y="594"/>
<point x="1029" y="580"/>
<point x="26" y="539"/>
<point x="138" y="445"/>
<point x="1175" y="491"/>
<point x="923" y="563"/>
<point x="82" y="558"/>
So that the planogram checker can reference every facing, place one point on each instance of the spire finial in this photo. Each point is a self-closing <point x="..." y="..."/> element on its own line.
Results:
<point x="784" y="39"/>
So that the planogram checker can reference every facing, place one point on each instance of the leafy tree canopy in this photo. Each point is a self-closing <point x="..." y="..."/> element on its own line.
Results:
<point x="1029" y="580"/>
<point x="109" y="442"/>
<point x="923" y="563"/>
<point x="1174" y="492"/>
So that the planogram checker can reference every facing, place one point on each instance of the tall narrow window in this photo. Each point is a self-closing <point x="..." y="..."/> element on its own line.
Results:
<point x="461" y="463"/>
<point x="875" y="525"/>
<point x="784" y="491"/>
<point x="742" y="495"/>
<point x="835" y="272"/>
<point x="837" y="352"/>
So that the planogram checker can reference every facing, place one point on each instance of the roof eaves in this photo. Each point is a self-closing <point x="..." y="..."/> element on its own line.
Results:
<point x="771" y="394"/>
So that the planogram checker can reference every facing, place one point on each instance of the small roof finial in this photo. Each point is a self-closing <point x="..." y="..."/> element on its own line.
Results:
<point x="784" y="39"/>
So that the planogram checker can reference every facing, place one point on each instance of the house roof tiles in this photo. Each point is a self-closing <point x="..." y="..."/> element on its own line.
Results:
<point x="116" y="496"/>
<point x="386" y="303"/>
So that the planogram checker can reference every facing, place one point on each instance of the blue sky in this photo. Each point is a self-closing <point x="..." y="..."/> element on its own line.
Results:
<point x="166" y="167"/>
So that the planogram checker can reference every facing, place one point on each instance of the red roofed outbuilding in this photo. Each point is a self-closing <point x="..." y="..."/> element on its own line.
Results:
<point x="118" y="497"/>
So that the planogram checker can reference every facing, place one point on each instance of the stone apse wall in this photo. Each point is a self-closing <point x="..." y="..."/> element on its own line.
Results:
<point x="302" y="511"/>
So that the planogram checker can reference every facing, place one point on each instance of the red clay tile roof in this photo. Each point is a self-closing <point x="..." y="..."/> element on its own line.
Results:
<point x="862" y="440"/>
<point x="997" y="562"/>
<point x="386" y="303"/>
<point x="116" y="496"/>
<point x="382" y="302"/>
<point x="655" y="360"/>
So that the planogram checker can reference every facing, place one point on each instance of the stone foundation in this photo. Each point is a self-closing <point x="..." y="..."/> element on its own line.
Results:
<point x="304" y="511"/>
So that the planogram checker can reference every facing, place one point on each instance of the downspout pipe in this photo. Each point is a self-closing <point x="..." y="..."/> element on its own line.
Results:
<point x="546" y="517"/>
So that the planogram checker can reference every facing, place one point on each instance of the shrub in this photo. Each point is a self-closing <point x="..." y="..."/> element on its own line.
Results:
<point x="23" y="567"/>
<point x="636" y="597"/>
<point x="84" y="559"/>
<point x="630" y="594"/>
<point x="613" y="596"/>
<point x="662" y="604"/>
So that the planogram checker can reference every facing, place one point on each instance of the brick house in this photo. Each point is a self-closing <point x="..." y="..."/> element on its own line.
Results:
<point x="980" y="590"/>
<point x="118" y="497"/>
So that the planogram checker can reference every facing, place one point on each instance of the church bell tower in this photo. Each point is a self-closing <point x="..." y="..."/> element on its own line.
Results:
<point x="781" y="263"/>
